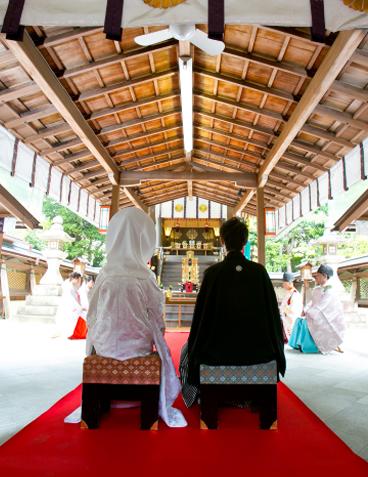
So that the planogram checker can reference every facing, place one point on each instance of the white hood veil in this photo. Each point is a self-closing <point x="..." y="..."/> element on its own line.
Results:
<point x="130" y="243"/>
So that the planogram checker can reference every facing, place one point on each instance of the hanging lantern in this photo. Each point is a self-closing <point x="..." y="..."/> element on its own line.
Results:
<point x="270" y="222"/>
<point x="104" y="218"/>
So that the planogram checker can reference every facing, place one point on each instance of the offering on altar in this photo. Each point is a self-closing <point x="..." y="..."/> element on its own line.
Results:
<point x="190" y="273"/>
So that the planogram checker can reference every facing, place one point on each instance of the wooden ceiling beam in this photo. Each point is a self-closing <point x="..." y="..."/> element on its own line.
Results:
<point x="37" y="67"/>
<point x="341" y="116"/>
<point x="224" y="192"/>
<point x="162" y="162"/>
<point x="237" y="137"/>
<point x="216" y="163"/>
<point x="236" y="122"/>
<point x="160" y="198"/>
<point x="84" y="166"/>
<point x="295" y="170"/>
<point x="16" y="92"/>
<point x="150" y="191"/>
<point x="115" y="59"/>
<point x="236" y="150"/>
<point x="128" y="178"/>
<point x="142" y="135"/>
<point x="284" y="66"/>
<point x="287" y="179"/>
<point x="303" y="161"/>
<point x="315" y="150"/>
<point x="131" y="105"/>
<point x="235" y="160"/>
<point x="244" y="201"/>
<point x="329" y="135"/>
<point x="138" y="122"/>
<point x="336" y="58"/>
<point x="291" y="68"/>
<point x="134" y="199"/>
<point x="349" y="90"/>
<point x="96" y="183"/>
<point x="47" y="132"/>
<point x="135" y="160"/>
<point x="113" y="88"/>
<point x="165" y="142"/>
<point x="241" y="106"/>
<point x="198" y="192"/>
<point x="149" y="196"/>
<point x="282" y="186"/>
<point x="75" y="34"/>
<point x="279" y="94"/>
<point x="32" y="115"/>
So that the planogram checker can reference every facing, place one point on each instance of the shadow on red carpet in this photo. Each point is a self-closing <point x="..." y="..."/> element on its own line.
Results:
<point x="303" y="446"/>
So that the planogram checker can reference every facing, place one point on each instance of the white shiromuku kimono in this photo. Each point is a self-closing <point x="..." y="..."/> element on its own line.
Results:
<point x="290" y="309"/>
<point x="72" y="306"/>
<point x="325" y="318"/>
<point x="125" y="314"/>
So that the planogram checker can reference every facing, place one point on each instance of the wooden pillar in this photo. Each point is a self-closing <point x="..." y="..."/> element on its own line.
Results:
<point x="114" y="206"/>
<point x="261" y="241"/>
<point x="32" y="280"/>
<point x="4" y="288"/>
<point x="230" y="212"/>
<point x="152" y="213"/>
<point x="354" y="290"/>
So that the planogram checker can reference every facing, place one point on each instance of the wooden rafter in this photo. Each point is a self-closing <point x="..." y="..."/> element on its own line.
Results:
<point x="34" y="63"/>
<point x="342" y="49"/>
<point x="135" y="200"/>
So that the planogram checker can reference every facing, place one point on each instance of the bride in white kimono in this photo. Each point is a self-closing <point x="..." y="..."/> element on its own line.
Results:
<point x="125" y="316"/>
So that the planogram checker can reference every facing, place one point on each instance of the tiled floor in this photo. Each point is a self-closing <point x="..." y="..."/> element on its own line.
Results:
<point x="36" y="370"/>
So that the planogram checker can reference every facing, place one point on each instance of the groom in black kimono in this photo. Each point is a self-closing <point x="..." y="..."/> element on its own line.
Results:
<point x="236" y="319"/>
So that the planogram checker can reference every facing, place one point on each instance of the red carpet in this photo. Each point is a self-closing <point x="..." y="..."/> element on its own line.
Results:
<point x="302" y="447"/>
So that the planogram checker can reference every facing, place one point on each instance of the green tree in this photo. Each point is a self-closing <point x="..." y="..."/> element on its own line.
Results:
<point x="33" y="239"/>
<point x="88" y="242"/>
<point x="285" y="253"/>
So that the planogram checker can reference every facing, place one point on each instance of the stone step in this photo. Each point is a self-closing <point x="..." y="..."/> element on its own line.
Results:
<point x="48" y="290"/>
<point x="40" y="300"/>
<point x="37" y="310"/>
<point x="22" y="318"/>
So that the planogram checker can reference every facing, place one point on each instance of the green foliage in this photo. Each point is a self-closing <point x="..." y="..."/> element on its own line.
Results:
<point x="353" y="246"/>
<point x="296" y="246"/>
<point x="34" y="240"/>
<point x="88" y="243"/>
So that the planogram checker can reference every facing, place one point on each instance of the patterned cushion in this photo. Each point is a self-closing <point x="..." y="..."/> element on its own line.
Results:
<point x="265" y="373"/>
<point x="140" y="370"/>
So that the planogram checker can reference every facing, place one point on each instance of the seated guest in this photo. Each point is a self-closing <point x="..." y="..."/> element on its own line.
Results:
<point x="291" y="306"/>
<point x="323" y="327"/>
<point x="125" y="317"/>
<point x="236" y="318"/>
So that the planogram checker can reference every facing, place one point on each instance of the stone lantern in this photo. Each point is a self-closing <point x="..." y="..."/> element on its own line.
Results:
<point x="55" y="239"/>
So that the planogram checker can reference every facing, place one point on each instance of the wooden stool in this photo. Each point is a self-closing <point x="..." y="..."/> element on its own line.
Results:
<point x="135" y="379"/>
<point x="221" y="384"/>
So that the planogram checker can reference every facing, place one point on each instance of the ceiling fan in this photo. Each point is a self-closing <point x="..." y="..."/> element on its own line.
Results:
<point x="183" y="32"/>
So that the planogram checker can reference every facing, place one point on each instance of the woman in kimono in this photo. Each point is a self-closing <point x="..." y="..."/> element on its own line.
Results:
<point x="322" y="329"/>
<point x="292" y="305"/>
<point x="72" y="312"/>
<point x="125" y="316"/>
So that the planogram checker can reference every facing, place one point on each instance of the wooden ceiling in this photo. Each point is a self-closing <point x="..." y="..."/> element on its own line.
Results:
<point x="122" y="111"/>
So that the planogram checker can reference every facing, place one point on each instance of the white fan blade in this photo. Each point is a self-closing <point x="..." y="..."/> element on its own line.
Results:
<point x="152" y="38"/>
<point x="211" y="47"/>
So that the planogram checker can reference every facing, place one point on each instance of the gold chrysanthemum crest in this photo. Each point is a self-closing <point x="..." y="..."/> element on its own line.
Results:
<point x="163" y="3"/>
<point x="359" y="5"/>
